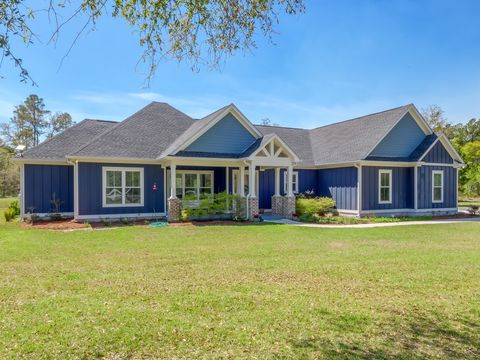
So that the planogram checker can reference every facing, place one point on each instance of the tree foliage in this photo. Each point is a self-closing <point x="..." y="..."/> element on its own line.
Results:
<point x="9" y="174"/>
<point x="202" y="32"/>
<point x="466" y="139"/>
<point x="58" y="122"/>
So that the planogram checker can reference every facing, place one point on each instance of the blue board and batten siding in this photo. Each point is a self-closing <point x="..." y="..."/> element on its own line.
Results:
<point x="425" y="187"/>
<point x="227" y="136"/>
<point x="42" y="181"/>
<point x="438" y="154"/>
<point x="90" y="190"/>
<point x="402" y="140"/>
<point x="341" y="185"/>
<point x="402" y="188"/>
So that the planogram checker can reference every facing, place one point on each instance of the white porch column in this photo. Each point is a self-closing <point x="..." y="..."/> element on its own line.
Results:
<point x="242" y="180"/>
<point x="251" y="180"/>
<point x="415" y="187"/>
<point x="290" y="180"/>
<point x="173" y="181"/>
<point x="277" y="181"/>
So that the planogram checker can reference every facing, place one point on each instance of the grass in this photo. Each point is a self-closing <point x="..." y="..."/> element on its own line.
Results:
<point x="251" y="291"/>
<point x="346" y="220"/>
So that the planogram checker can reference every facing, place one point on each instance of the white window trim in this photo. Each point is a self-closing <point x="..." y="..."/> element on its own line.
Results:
<point x="295" y="183"/>
<point x="194" y="203"/>
<point x="442" y="186"/>
<point x="380" y="173"/>
<point x="236" y="181"/>
<point x="123" y="170"/>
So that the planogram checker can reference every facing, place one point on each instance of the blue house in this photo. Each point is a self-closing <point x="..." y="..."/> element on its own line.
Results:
<point x="388" y="163"/>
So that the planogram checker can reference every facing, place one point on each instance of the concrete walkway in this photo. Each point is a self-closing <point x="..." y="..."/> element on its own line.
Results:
<point x="402" y="223"/>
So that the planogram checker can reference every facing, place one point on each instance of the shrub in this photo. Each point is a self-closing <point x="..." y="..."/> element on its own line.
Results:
<point x="473" y="209"/>
<point x="14" y="207"/>
<point x="315" y="206"/>
<point x="9" y="214"/>
<point x="215" y="205"/>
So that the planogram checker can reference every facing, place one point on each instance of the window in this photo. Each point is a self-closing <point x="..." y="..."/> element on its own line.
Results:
<point x="122" y="187"/>
<point x="385" y="186"/>
<point x="294" y="182"/>
<point x="193" y="186"/>
<point x="437" y="186"/>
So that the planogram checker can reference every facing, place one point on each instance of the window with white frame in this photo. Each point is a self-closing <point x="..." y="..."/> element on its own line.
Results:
<point x="122" y="186"/>
<point x="194" y="185"/>
<point x="437" y="186"/>
<point x="294" y="182"/>
<point x="385" y="186"/>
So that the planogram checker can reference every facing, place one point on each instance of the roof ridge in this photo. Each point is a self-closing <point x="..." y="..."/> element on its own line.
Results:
<point x="363" y="116"/>
<point x="100" y="120"/>
<point x="282" y="127"/>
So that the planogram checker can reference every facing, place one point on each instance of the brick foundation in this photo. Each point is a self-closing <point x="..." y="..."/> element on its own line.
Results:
<point x="277" y="205"/>
<point x="288" y="206"/>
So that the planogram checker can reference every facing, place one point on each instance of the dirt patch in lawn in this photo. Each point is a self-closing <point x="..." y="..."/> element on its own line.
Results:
<point x="56" y="225"/>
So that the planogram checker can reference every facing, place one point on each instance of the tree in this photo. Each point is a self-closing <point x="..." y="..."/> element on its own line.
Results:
<point x="9" y="174"/>
<point x="267" y="122"/>
<point x="59" y="122"/>
<point x="28" y="123"/>
<point x="202" y="32"/>
<point x="470" y="175"/>
<point x="468" y="132"/>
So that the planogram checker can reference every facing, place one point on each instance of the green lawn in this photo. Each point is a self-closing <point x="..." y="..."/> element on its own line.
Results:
<point x="467" y="202"/>
<point x="257" y="291"/>
<point x="4" y="202"/>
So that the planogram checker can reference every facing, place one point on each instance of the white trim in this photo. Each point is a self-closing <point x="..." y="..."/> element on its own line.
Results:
<point x="442" y="187"/>
<point x="237" y="178"/>
<point x="359" y="188"/>
<point x="415" y="187"/>
<point x="99" y="217"/>
<point x="457" y="187"/>
<point x="387" y="163"/>
<point x="421" y="122"/>
<point x="390" y="188"/>
<point x="294" y="174"/>
<point x="123" y="170"/>
<point x="440" y="164"/>
<point x="272" y="158"/>
<point x="231" y="109"/>
<point x="22" y="190"/>
<point x="348" y="211"/>
<point x="413" y="211"/>
<point x="76" y="198"/>
<point x="113" y="160"/>
<point x="47" y="215"/>
<point x="227" y="179"/>
<point x="39" y="161"/>
<point x="447" y="146"/>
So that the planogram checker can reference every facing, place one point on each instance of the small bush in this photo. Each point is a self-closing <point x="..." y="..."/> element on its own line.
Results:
<point x="32" y="218"/>
<point x="315" y="206"/>
<point x="9" y="214"/>
<point x="14" y="207"/>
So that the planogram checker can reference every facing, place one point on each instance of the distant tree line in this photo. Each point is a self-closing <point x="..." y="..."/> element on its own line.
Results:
<point x="466" y="139"/>
<point x="30" y="124"/>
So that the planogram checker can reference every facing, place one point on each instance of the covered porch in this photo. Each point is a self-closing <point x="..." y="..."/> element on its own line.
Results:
<point x="257" y="178"/>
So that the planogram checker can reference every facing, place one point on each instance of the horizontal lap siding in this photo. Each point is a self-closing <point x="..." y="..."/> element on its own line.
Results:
<point x="402" y="188"/>
<point x="438" y="154"/>
<point x="90" y="190"/>
<point x="42" y="181"/>
<point x="425" y="187"/>
<point x="340" y="184"/>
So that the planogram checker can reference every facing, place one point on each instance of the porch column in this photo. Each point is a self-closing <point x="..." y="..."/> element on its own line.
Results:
<point x="277" y="181"/>
<point x="415" y="188"/>
<point x="174" y="203"/>
<point x="290" y="180"/>
<point x="242" y="180"/>
<point x="289" y="202"/>
<point x="252" y="201"/>
<point x="277" y="199"/>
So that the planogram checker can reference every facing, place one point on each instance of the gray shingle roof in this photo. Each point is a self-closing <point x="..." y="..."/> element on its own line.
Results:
<point x="144" y="135"/>
<point x="157" y="129"/>
<point x="351" y="140"/>
<point x="69" y="140"/>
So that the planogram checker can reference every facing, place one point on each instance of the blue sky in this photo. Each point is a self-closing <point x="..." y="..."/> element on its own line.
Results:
<point x="339" y="60"/>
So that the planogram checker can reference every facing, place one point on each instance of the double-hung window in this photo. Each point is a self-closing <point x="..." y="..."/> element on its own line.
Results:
<point x="294" y="182"/>
<point x="122" y="186"/>
<point x="193" y="186"/>
<point x="437" y="186"/>
<point x="385" y="186"/>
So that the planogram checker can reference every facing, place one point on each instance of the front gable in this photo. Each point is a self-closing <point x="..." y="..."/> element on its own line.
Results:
<point x="438" y="155"/>
<point x="401" y="140"/>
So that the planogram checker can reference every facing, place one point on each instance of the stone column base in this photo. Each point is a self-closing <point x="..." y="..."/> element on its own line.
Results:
<point x="277" y="205"/>
<point x="174" y="209"/>
<point x="288" y="206"/>
<point x="252" y="207"/>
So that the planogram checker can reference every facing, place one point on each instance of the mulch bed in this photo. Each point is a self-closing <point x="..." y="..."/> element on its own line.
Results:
<point x="67" y="224"/>
<point x="457" y="216"/>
